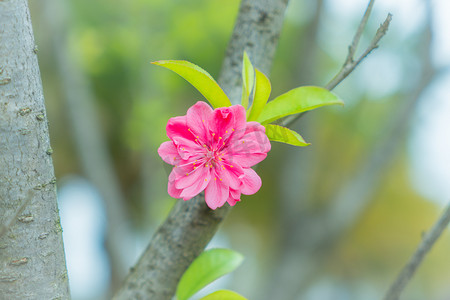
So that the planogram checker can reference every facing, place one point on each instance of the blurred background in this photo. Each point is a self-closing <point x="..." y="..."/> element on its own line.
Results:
<point x="335" y="220"/>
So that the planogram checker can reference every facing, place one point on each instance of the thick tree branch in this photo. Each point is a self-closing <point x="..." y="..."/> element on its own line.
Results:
<point x="191" y="224"/>
<point x="427" y="243"/>
<point x="32" y="263"/>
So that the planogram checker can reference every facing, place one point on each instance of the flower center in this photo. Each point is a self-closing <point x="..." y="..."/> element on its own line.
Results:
<point x="211" y="157"/>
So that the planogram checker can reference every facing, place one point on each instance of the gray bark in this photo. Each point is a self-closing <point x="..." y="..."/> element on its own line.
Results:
<point x="191" y="224"/>
<point x="32" y="263"/>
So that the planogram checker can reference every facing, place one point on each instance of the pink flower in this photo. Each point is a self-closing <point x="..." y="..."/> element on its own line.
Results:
<point x="213" y="150"/>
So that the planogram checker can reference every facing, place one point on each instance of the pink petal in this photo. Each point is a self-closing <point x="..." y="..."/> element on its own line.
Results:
<point x="234" y="197"/>
<point x="235" y="194"/>
<point x="198" y="120"/>
<point x="197" y="187"/>
<point x="182" y="138"/>
<point x="232" y="201"/>
<point x="169" y="153"/>
<point x="216" y="193"/>
<point x="229" y="121"/>
<point x="251" y="148"/>
<point x="230" y="174"/>
<point x="251" y="182"/>
<point x="177" y="127"/>
<point x="173" y="192"/>
<point x="190" y="178"/>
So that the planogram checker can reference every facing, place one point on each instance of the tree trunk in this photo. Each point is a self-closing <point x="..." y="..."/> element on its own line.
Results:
<point x="32" y="263"/>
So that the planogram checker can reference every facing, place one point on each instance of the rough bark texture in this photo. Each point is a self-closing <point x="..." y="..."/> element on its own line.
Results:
<point x="32" y="264"/>
<point x="191" y="224"/>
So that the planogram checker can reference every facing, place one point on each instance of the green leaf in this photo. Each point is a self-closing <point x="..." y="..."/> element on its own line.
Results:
<point x="199" y="78"/>
<point x="295" y="101"/>
<point x="262" y="93"/>
<point x="224" y="295"/>
<point x="206" y="268"/>
<point x="282" y="134"/>
<point x="248" y="79"/>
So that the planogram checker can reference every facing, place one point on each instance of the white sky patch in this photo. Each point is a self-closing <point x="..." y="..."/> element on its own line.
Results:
<point x="83" y="222"/>
<point x="441" y="38"/>
<point x="429" y="145"/>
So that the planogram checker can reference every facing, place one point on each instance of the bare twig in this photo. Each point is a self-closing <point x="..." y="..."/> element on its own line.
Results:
<point x="7" y="225"/>
<point x="357" y="37"/>
<point x="350" y="63"/>
<point x="427" y="243"/>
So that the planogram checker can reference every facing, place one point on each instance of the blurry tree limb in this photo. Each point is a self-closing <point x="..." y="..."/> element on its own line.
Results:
<point x="191" y="224"/>
<point x="32" y="262"/>
<point x="317" y="231"/>
<point x="427" y="243"/>
<point x="350" y="62"/>
<point x="90" y="142"/>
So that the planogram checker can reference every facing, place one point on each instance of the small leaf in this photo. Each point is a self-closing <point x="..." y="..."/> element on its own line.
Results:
<point x="199" y="78"/>
<point x="282" y="134"/>
<point x="295" y="101"/>
<point x="206" y="268"/>
<point x="248" y="79"/>
<point x="262" y="93"/>
<point x="224" y="295"/>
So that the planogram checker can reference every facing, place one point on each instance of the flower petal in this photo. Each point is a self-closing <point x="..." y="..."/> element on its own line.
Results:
<point x="184" y="140"/>
<point x="251" y="148"/>
<point x="229" y="121"/>
<point x="190" y="178"/>
<point x="173" y="192"/>
<point x="169" y="153"/>
<point x="216" y="193"/>
<point x="234" y="197"/>
<point x="197" y="187"/>
<point x="198" y="120"/>
<point x="230" y="174"/>
<point x="251" y="182"/>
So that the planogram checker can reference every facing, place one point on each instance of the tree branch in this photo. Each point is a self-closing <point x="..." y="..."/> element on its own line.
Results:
<point x="427" y="243"/>
<point x="191" y="224"/>
<point x="350" y="63"/>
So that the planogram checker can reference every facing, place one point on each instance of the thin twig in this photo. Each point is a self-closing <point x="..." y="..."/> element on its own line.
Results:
<point x="8" y="224"/>
<point x="350" y="62"/>
<point x="357" y="37"/>
<point x="427" y="243"/>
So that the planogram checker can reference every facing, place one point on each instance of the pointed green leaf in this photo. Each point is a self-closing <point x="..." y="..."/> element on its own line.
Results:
<point x="199" y="78"/>
<point x="282" y="134"/>
<point x="298" y="100"/>
<point x="262" y="93"/>
<point x="224" y="295"/>
<point x="248" y="79"/>
<point x="206" y="268"/>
